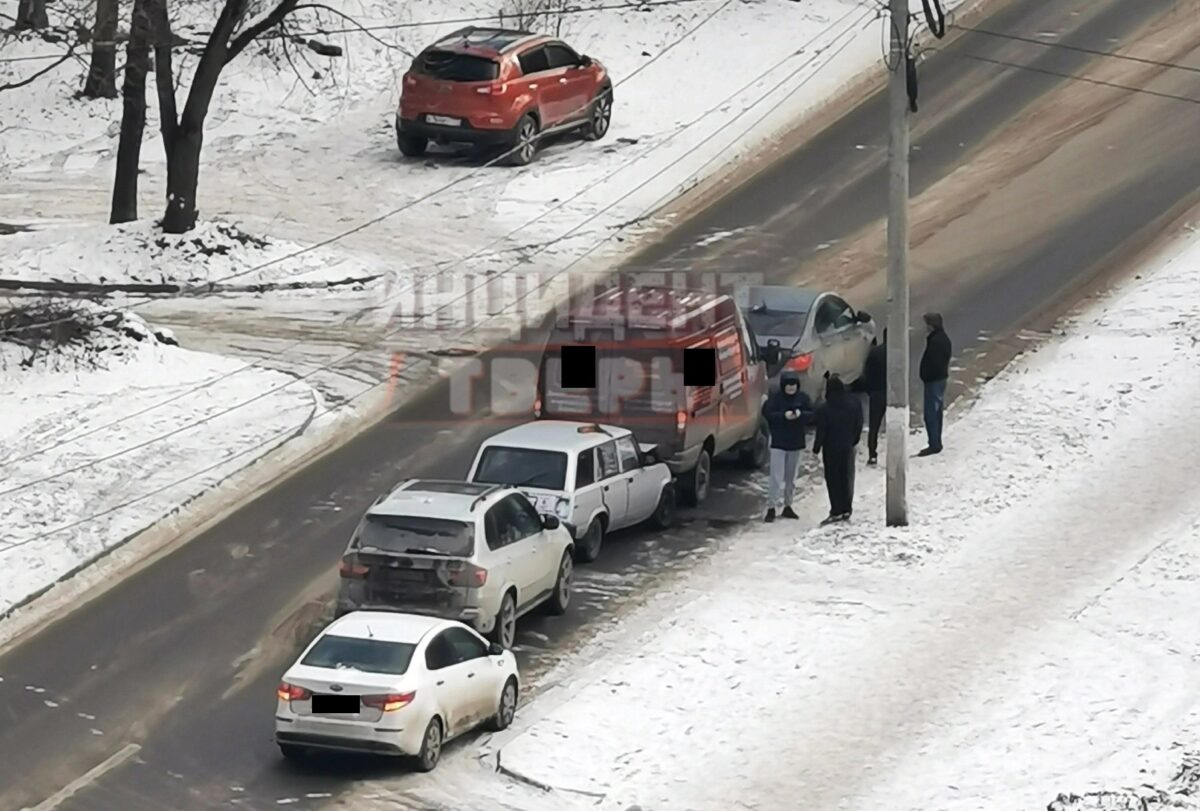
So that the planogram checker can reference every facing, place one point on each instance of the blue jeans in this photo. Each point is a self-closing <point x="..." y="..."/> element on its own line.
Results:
<point x="935" y="407"/>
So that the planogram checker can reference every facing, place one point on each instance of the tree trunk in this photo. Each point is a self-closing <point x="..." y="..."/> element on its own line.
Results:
<point x="31" y="14"/>
<point x="183" y="178"/>
<point x="164" y="78"/>
<point x="102" y="76"/>
<point x="133" y="118"/>
<point x="184" y="146"/>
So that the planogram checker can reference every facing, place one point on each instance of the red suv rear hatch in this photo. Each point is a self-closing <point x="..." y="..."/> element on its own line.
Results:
<point x="450" y="83"/>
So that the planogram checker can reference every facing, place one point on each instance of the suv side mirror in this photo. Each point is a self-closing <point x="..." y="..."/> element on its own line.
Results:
<point x="495" y="649"/>
<point x="862" y="317"/>
<point x="585" y="61"/>
<point x="550" y="522"/>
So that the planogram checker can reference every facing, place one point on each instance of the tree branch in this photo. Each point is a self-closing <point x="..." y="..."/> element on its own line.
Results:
<point x="274" y="18"/>
<point x="70" y="54"/>
<point x="355" y="23"/>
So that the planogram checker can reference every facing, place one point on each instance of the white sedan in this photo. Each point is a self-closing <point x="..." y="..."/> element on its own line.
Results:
<point x="393" y="684"/>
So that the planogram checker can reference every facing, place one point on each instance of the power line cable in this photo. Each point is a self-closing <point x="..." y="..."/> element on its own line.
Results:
<point x="1074" y="77"/>
<point x="1079" y="49"/>
<point x="543" y="246"/>
<point x="367" y="29"/>
<point x="355" y="397"/>
<point x="207" y="286"/>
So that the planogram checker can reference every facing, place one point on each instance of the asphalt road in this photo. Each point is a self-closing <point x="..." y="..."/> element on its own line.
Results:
<point x="160" y="694"/>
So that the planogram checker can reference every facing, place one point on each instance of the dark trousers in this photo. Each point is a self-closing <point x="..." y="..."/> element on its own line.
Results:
<point x="876" y="406"/>
<point x="839" y="480"/>
<point x="935" y="406"/>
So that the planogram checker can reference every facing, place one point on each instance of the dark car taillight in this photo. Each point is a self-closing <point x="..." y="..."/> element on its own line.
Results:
<point x="352" y="570"/>
<point x="469" y="575"/>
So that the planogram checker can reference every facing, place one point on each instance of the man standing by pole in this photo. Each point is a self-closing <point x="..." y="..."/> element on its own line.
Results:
<point x="897" y="272"/>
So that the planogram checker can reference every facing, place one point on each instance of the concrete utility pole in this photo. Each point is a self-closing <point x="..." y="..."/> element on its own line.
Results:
<point x="897" y="271"/>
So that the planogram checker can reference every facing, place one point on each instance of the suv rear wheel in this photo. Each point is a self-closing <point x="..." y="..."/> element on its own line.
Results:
<point x="599" y="115"/>
<point x="411" y="146"/>
<point x="524" y="142"/>
<point x="504" y="631"/>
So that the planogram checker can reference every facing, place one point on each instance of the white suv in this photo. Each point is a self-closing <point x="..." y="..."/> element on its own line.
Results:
<point x="596" y="478"/>
<point x="476" y="553"/>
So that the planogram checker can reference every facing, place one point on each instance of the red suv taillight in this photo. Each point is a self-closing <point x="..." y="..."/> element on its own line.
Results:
<point x="470" y="575"/>
<point x="352" y="571"/>
<point x="290" y="692"/>
<point x="389" y="702"/>
<point x="410" y="80"/>
<point x="800" y="363"/>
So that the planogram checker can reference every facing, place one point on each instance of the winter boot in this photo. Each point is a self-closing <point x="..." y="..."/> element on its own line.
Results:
<point x="831" y="519"/>
<point x="788" y="512"/>
<point x="770" y="517"/>
<point x="872" y="460"/>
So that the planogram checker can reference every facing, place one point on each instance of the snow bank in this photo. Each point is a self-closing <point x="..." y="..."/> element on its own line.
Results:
<point x="1026" y="639"/>
<point x="105" y="436"/>
<point x="214" y="255"/>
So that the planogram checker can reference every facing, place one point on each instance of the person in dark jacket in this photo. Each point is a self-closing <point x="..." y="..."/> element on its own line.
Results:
<point x="787" y="412"/>
<point x="935" y="373"/>
<point x="875" y="384"/>
<point x="839" y="428"/>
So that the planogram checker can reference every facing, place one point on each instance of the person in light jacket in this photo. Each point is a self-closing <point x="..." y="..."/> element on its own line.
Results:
<point x="787" y="412"/>
<point x="935" y="374"/>
<point x="839" y="428"/>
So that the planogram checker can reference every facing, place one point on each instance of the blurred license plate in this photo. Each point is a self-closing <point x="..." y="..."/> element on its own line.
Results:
<point x="335" y="704"/>
<point x="444" y="120"/>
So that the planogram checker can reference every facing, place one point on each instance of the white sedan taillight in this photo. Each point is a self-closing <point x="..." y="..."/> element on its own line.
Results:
<point x="389" y="702"/>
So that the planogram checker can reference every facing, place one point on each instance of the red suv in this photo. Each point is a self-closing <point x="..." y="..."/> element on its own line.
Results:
<point x="497" y="88"/>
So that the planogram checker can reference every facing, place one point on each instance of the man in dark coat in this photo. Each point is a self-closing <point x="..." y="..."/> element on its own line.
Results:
<point x="935" y="373"/>
<point x="787" y="412"/>
<point x="839" y="428"/>
<point x="874" y="382"/>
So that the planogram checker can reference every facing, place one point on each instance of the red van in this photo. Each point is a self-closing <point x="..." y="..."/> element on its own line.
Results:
<point x="640" y="335"/>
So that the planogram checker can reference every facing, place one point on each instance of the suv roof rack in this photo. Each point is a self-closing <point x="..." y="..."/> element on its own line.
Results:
<point x="500" y="38"/>
<point x="495" y="488"/>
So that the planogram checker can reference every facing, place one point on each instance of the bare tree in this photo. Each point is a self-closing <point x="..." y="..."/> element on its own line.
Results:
<point x="102" y="75"/>
<point x="183" y="137"/>
<point x="133" y="114"/>
<point x="31" y="14"/>
<point x="534" y="15"/>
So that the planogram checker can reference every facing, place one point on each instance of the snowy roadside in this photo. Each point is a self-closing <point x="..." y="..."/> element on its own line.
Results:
<point x="115" y="431"/>
<point x="1028" y="637"/>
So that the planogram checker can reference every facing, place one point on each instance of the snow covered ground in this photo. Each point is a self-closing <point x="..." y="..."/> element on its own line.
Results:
<point x="315" y="233"/>
<point x="1029" y="639"/>
<point x="113" y="433"/>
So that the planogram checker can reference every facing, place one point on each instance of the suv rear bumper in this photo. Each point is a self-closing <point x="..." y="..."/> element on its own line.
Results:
<point x="466" y="134"/>
<point x="467" y="616"/>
